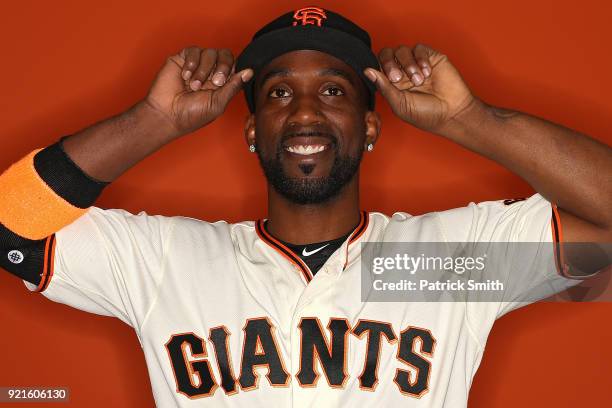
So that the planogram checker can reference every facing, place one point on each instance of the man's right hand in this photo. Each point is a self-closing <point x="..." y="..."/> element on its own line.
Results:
<point x="194" y="87"/>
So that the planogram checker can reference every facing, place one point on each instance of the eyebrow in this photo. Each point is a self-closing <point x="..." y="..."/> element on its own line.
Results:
<point x="274" y="73"/>
<point x="324" y="72"/>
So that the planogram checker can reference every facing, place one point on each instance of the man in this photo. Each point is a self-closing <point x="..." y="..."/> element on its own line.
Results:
<point x="257" y="313"/>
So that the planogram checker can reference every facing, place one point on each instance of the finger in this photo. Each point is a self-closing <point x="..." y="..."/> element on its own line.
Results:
<point x="233" y="85"/>
<point x="389" y="65"/>
<point x="382" y="83"/>
<point x="191" y="55"/>
<point x="422" y="53"/>
<point x="225" y="61"/>
<point x="409" y="65"/>
<point x="205" y="66"/>
<point x="232" y="72"/>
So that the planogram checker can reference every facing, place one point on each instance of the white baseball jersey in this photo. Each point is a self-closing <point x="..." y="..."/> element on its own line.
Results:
<point x="227" y="316"/>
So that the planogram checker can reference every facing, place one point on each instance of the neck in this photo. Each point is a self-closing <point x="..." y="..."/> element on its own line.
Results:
<point x="305" y="224"/>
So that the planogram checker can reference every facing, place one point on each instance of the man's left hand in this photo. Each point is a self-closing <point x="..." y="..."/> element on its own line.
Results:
<point x="421" y="85"/>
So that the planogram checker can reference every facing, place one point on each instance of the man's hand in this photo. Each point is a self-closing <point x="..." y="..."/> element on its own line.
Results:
<point x="194" y="87"/>
<point x="566" y="167"/>
<point x="421" y="85"/>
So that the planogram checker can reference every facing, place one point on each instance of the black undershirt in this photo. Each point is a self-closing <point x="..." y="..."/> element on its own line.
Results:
<point x="314" y="260"/>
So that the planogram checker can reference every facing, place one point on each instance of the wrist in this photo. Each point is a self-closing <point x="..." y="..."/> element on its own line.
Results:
<point x="468" y="118"/>
<point x="156" y="120"/>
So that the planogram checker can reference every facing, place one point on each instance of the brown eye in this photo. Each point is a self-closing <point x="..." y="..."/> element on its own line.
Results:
<point x="279" y="93"/>
<point x="333" y="91"/>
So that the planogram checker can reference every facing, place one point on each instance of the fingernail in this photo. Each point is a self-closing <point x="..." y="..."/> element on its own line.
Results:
<point x="195" y="85"/>
<point x="395" y="75"/>
<point x="246" y="75"/>
<point x="371" y="75"/>
<point x="417" y="79"/>
<point x="218" y="79"/>
<point x="186" y="75"/>
<point x="426" y="72"/>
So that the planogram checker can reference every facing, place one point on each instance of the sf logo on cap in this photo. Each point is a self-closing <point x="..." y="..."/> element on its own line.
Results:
<point x="309" y="15"/>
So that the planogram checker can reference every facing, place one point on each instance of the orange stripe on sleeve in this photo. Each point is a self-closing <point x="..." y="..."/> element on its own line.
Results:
<point x="557" y="236"/>
<point x="43" y="275"/>
<point x="28" y="206"/>
<point x="47" y="274"/>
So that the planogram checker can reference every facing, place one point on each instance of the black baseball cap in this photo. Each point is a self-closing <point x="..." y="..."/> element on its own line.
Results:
<point x="309" y="28"/>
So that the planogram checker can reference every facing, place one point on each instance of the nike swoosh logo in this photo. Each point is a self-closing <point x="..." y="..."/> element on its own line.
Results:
<point x="314" y="251"/>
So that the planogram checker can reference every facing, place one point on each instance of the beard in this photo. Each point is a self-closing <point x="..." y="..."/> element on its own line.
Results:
<point x="310" y="190"/>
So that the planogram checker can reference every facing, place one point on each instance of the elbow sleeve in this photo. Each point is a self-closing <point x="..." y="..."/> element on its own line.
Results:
<point x="39" y="195"/>
<point x="30" y="260"/>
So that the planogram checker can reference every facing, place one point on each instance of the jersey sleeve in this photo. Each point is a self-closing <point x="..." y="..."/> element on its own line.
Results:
<point x="108" y="262"/>
<point x="522" y="238"/>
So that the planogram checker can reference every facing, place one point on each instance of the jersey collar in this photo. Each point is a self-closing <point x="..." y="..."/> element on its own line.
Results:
<point x="292" y="257"/>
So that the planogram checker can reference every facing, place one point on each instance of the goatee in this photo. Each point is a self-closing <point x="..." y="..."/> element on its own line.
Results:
<point x="310" y="190"/>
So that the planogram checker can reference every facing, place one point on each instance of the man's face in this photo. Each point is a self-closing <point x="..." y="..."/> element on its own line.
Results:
<point x="310" y="125"/>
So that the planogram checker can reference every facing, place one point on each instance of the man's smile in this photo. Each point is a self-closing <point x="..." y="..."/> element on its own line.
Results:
<point x="306" y="150"/>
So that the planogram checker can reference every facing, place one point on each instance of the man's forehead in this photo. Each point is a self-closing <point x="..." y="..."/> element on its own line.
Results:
<point x="307" y="62"/>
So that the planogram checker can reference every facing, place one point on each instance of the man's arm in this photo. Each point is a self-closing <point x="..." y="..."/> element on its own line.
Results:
<point x="50" y="188"/>
<point x="569" y="169"/>
<point x="110" y="147"/>
<point x="191" y="90"/>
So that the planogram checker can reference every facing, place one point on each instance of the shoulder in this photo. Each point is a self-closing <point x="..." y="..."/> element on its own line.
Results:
<point x="212" y="238"/>
<point x="177" y="226"/>
<point x="191" y="225"/>
<point x="470" y="221"/>
<point x="503" y="209"/>
<point x="402" y="226"/>
<point x="496" y="219"/>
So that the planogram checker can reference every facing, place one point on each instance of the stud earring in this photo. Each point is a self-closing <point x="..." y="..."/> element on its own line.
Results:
<point x="370" y="147"/>
<point x="252" y="148"/>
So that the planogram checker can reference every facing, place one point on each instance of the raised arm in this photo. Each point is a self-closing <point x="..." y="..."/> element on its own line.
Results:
<point x="571" y="170"/>
<point x="50" y="188"/>
<point x="191" y="90"/>
<point x="568" y="168"/>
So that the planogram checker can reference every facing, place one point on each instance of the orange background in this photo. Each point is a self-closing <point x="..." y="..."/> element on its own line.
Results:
<point x="67" y="64"/>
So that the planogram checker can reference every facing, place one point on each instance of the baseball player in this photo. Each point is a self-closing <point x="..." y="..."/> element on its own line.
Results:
<point x="270" y="313"/>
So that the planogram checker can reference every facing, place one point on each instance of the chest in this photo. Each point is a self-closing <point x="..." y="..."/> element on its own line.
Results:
<point x="234" y="327"/>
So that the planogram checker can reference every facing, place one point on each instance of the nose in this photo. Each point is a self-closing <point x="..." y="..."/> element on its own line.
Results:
<point x="305" y="110"/>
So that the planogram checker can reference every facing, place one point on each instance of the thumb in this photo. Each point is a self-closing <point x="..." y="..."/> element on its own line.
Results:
<point x="224" y="94"/>
<point x="382" y="83"/>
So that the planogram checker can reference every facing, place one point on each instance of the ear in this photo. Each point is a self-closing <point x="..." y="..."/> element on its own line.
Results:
<point x="249" y="129"/>
<point x="373" y="123"/>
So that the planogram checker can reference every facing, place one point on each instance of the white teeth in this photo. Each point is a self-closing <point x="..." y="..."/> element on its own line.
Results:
<point x="306" y="150"/>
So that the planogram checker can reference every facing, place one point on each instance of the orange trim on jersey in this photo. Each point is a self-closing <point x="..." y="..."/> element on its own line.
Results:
<point x="288" y="254"/>
<point x="28" y="206"/>
<point x="357" y="233"/>
<point x="282" y="249"/>
<point x="48" y="264"/>
<point x="361" y="227"/>
<point x="557" y="236"/>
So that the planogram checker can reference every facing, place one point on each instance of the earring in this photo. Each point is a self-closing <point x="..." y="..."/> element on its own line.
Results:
<point x="252" y="148"/>
<point x="370" y="147"/>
